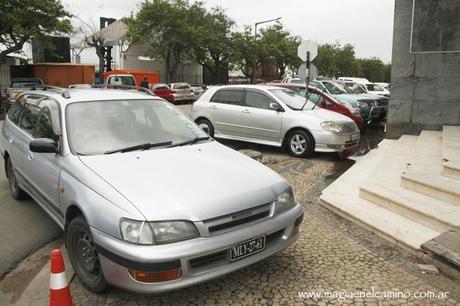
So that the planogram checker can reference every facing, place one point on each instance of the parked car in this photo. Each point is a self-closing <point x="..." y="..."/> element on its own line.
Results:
<point x="106" y="164"/>
<point x="198" y="89"/>
<point x="372" y="107"/>
<point x="325" y="101"/>
<point x="354" y="80"/>
<point x="182" y="92"/>
<point x="292" y="79"/>
<point x="120" y="79"/>
<point x="163" y="91"/>
<point x="376" y="89"/>
<point x="273" y="116"/>
<point x="19" y="85"/>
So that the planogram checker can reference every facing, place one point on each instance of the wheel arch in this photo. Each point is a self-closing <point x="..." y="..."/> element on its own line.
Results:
<point x="292" y="129"/>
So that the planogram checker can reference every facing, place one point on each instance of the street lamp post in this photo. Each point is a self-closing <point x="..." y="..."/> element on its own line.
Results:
<point x="255" y="35"/>
<point x="262" y="22"/>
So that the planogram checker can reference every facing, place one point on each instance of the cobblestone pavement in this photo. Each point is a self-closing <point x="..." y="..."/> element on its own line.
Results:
<point x="332" y="254"/>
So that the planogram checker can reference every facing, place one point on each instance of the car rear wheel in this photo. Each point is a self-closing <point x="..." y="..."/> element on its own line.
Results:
<point x="206" y="126"/>
<point x="15" y="191"/>
<point x="83" y="255"/>
<point x="300" y="143"/>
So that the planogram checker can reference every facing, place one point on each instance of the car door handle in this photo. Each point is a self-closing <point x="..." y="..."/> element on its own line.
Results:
<point x="246" y="111"/>
<point x="10" y="140"/>
<point x="30" y="156"/>
<point x="213" y="107"/>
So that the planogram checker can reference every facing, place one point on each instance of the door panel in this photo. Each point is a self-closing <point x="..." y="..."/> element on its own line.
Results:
<point x="225" y="108"/>
<point x="258" y="120"/>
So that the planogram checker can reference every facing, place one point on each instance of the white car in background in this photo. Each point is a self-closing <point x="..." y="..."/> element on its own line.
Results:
<point x="376" y="89"/>
<point x="274" y="116"/>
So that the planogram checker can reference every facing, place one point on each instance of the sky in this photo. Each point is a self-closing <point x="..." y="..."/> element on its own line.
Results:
<point x="366" y="24"/>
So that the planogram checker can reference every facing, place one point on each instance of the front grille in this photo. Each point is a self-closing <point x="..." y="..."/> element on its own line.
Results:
<point x="234" y="223"/>
<point x="237" y="219"/>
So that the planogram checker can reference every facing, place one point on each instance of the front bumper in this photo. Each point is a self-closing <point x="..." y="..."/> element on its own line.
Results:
<point x="198" y="258"/>
<point x="332" y="142"/>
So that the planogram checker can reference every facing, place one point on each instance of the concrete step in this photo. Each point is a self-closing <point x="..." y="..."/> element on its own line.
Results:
<point x="380" y="167"/>
<point x="391" y="226"/>
<point x="433" y="213"/>
<point x="424" y="174"/>
<point x="436" y="186"/>
<point x="451" y="151"/>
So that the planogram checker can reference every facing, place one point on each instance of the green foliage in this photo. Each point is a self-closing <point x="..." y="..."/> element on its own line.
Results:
<point x="21" y="20"/>
<point x="336" y="60"/>
<point x="167" y="28"/>
<point x="281" y="47"/>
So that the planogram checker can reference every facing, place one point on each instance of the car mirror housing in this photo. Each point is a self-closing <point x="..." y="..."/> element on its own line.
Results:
<point x="276" y="107"/>
<point x="43" y="145"/>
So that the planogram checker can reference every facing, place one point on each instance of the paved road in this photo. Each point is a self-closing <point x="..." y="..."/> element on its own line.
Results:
<point x="24" y="226"/>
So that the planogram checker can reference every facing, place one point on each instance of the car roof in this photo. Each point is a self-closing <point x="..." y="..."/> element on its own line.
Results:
<point x="244" y="86"/>
<point x="92" y="94"/>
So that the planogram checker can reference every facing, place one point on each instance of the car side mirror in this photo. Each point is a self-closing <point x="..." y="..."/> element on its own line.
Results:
<point x="43" y="145"/>
<point x="276" y="107"/>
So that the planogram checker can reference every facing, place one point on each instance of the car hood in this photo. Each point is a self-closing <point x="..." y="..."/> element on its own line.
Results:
<point x="325" y="115"/>
<point x="194" y="182"/>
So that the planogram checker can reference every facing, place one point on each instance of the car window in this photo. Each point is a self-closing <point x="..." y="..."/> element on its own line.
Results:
<point x="314" y="97"/>
<point x="121" y="80"/>
<point x="182" y="86"/>
<point x="29" y="118"/>
<point x="291" y="99"/>
<point x="258" y="100"/>
<point x="15" y="112"/>
<point x="227" y="96"/>
<point x="44" y="127"/>
<point x="25" y="84"/>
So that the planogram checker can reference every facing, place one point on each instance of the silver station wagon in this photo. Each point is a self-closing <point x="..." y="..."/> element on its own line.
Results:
<point x="147" y="200"/>
<point x="274" y="116"/>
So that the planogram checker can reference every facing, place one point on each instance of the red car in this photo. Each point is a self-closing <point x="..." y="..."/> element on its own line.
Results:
<point x="163" y="91"/>
<point x="325" y="101"/>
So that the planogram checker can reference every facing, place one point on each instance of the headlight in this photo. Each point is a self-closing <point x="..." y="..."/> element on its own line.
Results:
<point x="285" y="201"/>
<point x="361" y="104"/>
<point x="331" y="126"/>
<point x="173" y="231"/>
<point x="150" y="233"/>
<point x="138" y="232"/>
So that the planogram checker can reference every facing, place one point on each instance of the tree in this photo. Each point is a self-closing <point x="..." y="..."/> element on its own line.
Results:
<point x="167" y="28"/>
<point x="248" y="54"/>
<point x="325" y="61"/>
<point x="281" y="47"/>
<point x="212" y="39"/>
<point x="372" y="69"/>
<point x="21" y="20"/>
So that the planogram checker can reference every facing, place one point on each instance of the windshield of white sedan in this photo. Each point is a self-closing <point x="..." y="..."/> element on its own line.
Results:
<point x="103" y="127"/>
<point x="292" y="99"/>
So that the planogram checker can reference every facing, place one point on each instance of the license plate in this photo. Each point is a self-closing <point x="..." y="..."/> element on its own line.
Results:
<point x="247" y="248"/>
<point x="354" y="137"/>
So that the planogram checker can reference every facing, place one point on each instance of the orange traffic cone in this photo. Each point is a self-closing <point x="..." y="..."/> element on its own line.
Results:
<point x="59" y="288"/>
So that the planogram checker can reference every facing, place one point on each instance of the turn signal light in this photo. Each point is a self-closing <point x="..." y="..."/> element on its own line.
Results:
<point x="155" y="277"/>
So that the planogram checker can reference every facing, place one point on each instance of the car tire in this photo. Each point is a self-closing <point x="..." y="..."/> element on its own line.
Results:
<point x="206" y="126"/>
<point x="83" y="255"/>
<point x="16" y="192"/>
<point x="300" y="143"/>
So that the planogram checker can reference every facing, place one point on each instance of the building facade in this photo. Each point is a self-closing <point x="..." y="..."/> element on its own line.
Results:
<point x="425" y="78"/>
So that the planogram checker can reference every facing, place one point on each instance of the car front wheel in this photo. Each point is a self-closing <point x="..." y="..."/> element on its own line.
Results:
<point x="83" y="255"/>
<point x="300" y="143"/>
<point x="15" y="191"/>
<point x="206" y="126"/>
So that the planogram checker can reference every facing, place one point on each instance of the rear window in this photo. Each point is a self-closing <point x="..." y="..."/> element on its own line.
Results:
<point x="160" y="87"/>
<point x="121" y="80"/>
<point x="181" y="86"/>
<point x="234" y="97"/>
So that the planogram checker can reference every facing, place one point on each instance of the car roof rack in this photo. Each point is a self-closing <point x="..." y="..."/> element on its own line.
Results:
<point x="64" y="92"/>
<point x="112" y="86"/>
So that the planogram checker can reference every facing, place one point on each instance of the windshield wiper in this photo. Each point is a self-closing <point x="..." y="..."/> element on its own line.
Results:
<point x="191" y="141"/>
<point x="144" y="146"/>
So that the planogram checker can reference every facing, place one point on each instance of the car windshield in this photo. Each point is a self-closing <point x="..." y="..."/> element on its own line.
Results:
<point x="25" y="84"/>
<point x="355" y="88"/>
<point x="374" y="87"/>
<point x="291" y="99"/>
<point x="122" y="80"/>
<point x="98" y="127"/>
<point x="334" y="89"/>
